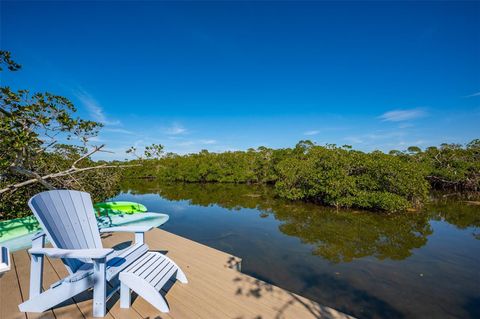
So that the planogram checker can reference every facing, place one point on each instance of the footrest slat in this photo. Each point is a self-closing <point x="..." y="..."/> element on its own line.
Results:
<point x="147" y="277"/>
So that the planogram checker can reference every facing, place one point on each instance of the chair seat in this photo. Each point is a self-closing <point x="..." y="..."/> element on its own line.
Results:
<point x="147" y="276"/>
<point x="116" y="262"/>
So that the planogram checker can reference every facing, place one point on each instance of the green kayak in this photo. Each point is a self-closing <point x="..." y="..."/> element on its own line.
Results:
<point x="18" y="227"/>
<point x="146" y="219"/>
<point x="120" y="207"/>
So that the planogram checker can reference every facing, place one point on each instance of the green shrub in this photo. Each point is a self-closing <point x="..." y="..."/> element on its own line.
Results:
<point x="346" y="178"/>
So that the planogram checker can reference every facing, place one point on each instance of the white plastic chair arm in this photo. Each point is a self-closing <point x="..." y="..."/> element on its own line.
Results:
<point x="38" y="234"/>
<point x="126" y="229"/>
<point x="97" y="253"/>
<point x="138" y="230"/>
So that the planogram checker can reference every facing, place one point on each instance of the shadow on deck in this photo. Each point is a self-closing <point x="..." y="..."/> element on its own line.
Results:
<point x="216" y="289"/>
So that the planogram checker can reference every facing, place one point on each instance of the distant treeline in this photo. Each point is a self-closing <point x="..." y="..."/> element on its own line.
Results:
<point x="330" y="175"/>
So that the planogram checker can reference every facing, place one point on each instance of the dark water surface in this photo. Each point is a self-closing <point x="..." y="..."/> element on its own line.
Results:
<point x="413" y="265"/>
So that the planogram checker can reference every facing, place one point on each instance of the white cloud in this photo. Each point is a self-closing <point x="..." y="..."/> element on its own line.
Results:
<point x="176" y="129"/>
<point x="354" y="139"/>
<point x="96" y="139"/>
<point x="473" y="95"/>
<point x="208" y="142"/>
<point x="402" y="115"/>
<point x="118" y="130"/>
<point x="186" y="143"/>
<point x="376" y="138"/>
<point x="197" y="142"/>
<point x="94" y="108"/>
<point x="405" y="125"/>
<point x="310" y="133"/>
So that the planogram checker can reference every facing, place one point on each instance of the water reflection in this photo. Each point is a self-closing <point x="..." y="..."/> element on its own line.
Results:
<point x="339" y="236"/>
<point x="343" y="236"/>
<point x="370" y="265"/>
<point x="463" y="211"/>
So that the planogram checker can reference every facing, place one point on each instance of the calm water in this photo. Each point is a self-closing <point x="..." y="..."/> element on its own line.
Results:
<point x="415" y="265"/>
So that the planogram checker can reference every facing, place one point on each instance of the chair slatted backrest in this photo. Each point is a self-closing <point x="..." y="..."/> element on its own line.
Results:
<point x="68" y="219"/>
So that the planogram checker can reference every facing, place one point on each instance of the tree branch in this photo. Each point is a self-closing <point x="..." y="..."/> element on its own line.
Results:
<point x="35" y="176"/>
<point x="95" y="149"/>
<point x="72" y="170"/>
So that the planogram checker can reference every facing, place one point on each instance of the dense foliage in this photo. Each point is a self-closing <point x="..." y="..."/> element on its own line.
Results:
<point x="330" y="175"/>
<point x="450" y="166"/>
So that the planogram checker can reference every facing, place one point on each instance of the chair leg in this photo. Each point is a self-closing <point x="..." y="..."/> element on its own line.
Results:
<point x="36" y="275"/>
<point x="54" y="296"/>
<point x="125" y="296"/>
<point x="36" y="266"/>
<point x="99" y="288"/>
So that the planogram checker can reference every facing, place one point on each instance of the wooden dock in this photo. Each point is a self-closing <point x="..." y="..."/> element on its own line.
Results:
<point x="216" y="289"/>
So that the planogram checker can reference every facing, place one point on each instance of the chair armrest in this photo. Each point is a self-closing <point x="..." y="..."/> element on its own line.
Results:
<point x="97" y="253"/>
<point x="138" y="230"/>
<point x="38" y="235"/>
<point x="38" y="239"/>
<point x="126" y="229"/>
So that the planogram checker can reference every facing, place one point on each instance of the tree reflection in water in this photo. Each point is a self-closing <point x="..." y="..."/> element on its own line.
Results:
<point x="337" y="235"/>
<point x="369" y="264"/>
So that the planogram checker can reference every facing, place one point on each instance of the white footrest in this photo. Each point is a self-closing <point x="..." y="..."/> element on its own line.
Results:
<point x="146" y="277"/>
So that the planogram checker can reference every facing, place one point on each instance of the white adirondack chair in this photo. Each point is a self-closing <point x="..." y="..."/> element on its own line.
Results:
<point x="4" y="260"/>
<point x="68" y="220"/>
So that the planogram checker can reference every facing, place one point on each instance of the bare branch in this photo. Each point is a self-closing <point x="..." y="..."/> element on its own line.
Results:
<point x="72" y="170"/>
<point x="94" y="150"/>
<point x="43" y="149"/>
<point x="35" y="176"/>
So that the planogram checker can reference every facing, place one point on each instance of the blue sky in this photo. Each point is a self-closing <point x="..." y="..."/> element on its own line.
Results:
<point x="233" y="75"/>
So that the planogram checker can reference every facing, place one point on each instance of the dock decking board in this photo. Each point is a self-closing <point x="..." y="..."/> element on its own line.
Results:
<point x="215" y="289"/>
<point x="22" y="265"/>
<point x="10" y="295"/>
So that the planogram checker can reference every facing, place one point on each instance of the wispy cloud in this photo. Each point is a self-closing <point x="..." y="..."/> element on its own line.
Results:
<point x="208" y="142"/>
<point x="405" y="125"/>
<point x="375" y="138"/>
<point x="96" y="111"/>
<point x="402" y="115"/>
<point x="473" y="95"/>
<point x="197" y="142"/>
<point x="176" y="129"/>
<point x="186" y="143"/>
<point x="118" y="130"/>
<point x="96" y="139"/>
<point x="310" y="133"/>
<point x="354" y="139"/>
